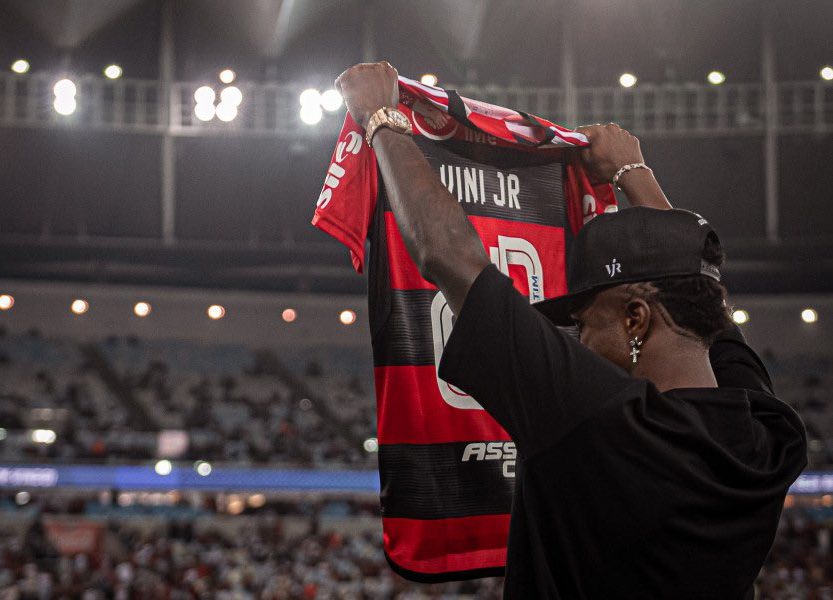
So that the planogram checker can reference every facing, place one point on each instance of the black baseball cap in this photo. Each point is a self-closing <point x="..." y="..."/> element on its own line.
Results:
<point x="635" y="244"/>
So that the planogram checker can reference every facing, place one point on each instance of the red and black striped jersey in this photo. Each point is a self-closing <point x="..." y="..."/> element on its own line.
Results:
<point x="446" y="467"/>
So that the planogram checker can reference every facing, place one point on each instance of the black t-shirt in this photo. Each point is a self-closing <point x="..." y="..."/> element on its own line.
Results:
<point x="623" y="491"/>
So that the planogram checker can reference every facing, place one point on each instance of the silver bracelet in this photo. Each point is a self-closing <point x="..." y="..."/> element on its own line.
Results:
<point x="625" y="169"/>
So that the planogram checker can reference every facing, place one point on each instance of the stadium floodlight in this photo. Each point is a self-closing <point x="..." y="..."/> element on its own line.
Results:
<point x="347" y="317"/>
<point x="826" y="73"/>
<point x="371" y="445"/>
<point x="65" y="105"/>
<point x="716" y="77"/>
<point x="231" y="95"/>
<point x="311" y="114"/>
<point x="809" y="315"/>
<point x="163" y="467"/>
<point x="21" y="66"/>
<point x="216" y="312"/>
<point x="226" y="112"/>
<point x="79" y="306"/>
<point x="289" y="315"/>
<point x="22" y="498"/>
<point x="740" y="316"/>
<point x="331" y="100"/>
<point x="113" y="71"/>
<point x="6" y="301"/>
<point x="227" y="75"/>
<point x="310" y="97"/>
<point x="429" y="79"/>
<point x="204" y="111"/>
<point x="627" y="80"/>
<point x="65" y="88"/>
<point x="142" y="309"/>
<point x="205" y="95"/>
<point x="202" y="468"/>
<point x="43" y="436"/>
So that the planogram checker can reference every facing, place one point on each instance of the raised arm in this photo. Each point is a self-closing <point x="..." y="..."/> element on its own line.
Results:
<point x="611" y="148"/>
<point x="436" y="231"/>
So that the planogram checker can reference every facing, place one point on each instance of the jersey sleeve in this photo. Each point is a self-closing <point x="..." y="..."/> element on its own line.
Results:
<point x="348" y="199"/>
<point x="534" y="380"/>
<point x="736" y="365"/>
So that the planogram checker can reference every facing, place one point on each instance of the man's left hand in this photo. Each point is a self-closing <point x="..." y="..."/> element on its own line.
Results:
<point x="367" y="87"/>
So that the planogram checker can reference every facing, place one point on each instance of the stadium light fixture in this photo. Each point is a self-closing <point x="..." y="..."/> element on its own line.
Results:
<point x="289" y="315"/>
<point x="205" y="95"/>
<point x="310" y="97"/>
<point x="331" y="100"/>
<point x="627" y="80"/>
<point x="79" y="306"/>
<point x="226" y="112"/>
<point x="216" y="312"/>
<point x="716" y="77"/>
<point x="740" y="316"/>
<point x="6" y="301"/>
<point x="371" y="445"/>
<point x="142" y="309"/>
<point x="227" y="76"/>
<point x="65" y="102"/>
<point x="202" y="468"/>
<point x="809" y="315"/>
<point x="429" y="79"/>
<point x="347" y="317"/>
<point x="21" y="66"/>
<point x="826" y="73"/>
<point x="43" y="436"/>
<point x="113" y="71"/>
<point x="22" y="498"/>
<point x="163" y="467"/>
<point x="204" y="112"/>
<point x="311" y="114"/>
<point x="231" y="95"/>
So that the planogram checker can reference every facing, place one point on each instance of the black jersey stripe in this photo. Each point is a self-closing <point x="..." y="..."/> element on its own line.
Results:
<point x="407" y="337"/>
<point x="440" y="481"/>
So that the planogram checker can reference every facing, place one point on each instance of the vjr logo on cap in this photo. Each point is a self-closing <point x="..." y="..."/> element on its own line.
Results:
<point x="613" y="268"/>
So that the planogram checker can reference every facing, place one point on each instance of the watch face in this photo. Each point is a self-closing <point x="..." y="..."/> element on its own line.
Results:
<point x="399" y="119"/>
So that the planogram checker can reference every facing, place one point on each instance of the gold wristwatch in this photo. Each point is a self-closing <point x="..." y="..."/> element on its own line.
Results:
<point x="387" y="117"/>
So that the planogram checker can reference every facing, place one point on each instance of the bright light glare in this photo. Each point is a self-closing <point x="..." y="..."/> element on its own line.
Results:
<point x="740" y="316"/>
<point x="826" y="73"/>
<point x="65" y="105"/>
<point x="226" y="112"/>
<point x="202" y="468"/>
<point x="289" y="315"/>
<point x="6" y="301"/>
<point x="371" y="445"/>
<point x="331" y="100"/>
<point x="20" y="66"/>
<point x="627" y="80"/>
<point x="43" y="436"/>
<point x="809" y="315"/>
<point x="347" y="317"/>
<point x="215" y="311"/>
<point x="22" y="498"/>
<point x="429" y="79"/>
<point x="311" y="114"/>
<point x="205" y="95"/>
<point x="65" y="88"/>
<point x="227" y="75"/>
<point x="79" y="306"/>
<point x="231" y="95"/>
<point x="310" y="97"/>
<point x="142" y="309"/>
<point x="163" y="467"/>
<point x="113" y="72"/>
<point x="204" y="111"/>
<point x="716" y="77"/>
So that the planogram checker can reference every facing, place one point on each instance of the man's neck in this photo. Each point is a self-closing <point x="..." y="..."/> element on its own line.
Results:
<point x="676" y="364"/>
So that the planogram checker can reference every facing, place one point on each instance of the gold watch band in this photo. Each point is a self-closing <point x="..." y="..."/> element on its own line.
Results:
<point x="381" y="118"/>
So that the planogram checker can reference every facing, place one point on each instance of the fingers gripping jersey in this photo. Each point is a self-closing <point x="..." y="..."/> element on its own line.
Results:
<point x="446" y="467"/>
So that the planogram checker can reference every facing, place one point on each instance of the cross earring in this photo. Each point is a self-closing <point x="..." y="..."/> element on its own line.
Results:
<point x="636" y="344"/>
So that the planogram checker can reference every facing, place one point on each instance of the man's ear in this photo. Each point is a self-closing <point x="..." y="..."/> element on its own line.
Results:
<point x="637" y="318"/>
